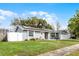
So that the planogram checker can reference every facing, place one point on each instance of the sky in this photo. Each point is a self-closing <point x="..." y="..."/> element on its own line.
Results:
<point x="52" y="12"/>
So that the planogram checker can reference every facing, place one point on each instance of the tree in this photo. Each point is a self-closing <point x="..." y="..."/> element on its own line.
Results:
<point x="16" y="21"/>
<point x="73" y="25"/>
<point x="57" y="26"/>
<point x="33" y="22"/>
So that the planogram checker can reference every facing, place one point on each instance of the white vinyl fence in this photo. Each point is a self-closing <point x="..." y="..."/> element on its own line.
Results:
<point x="15" y="36"/>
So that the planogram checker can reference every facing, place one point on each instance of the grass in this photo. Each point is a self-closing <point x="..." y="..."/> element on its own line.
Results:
<point x="31" y="48"/>
<point x="75" y="53"/>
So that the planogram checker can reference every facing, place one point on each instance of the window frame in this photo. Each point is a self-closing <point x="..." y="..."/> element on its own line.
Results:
<point x="31" y="33"/>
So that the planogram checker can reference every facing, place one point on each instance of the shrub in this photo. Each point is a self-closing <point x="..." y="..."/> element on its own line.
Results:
<point x="37" y="39"/>
<point x="33" y="39"/>
<point x="26" y="39"/>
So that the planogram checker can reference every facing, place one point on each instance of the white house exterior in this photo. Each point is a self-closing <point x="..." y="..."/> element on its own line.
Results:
<point x="20" y="33"/>
<point x="64" y="34"/>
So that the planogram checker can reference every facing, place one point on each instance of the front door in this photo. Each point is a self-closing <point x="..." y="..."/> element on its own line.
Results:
<point x="46" y="35"/>
<point x="57" y="36"/>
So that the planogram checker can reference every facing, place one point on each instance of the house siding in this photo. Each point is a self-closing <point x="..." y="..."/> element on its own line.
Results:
<point x="15" y="36"/>
<point x="23" y="33"/>
<point x="64" y="36"/>
<point x="39" y="35"/>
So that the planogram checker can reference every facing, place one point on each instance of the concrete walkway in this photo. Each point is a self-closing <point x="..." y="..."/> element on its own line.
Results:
<point x="62" y="51"/>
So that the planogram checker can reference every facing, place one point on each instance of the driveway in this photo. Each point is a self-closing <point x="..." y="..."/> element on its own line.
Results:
<point x="62" y="51"/>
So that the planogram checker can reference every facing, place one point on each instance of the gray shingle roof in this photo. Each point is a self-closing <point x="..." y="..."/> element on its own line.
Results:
<point x="35" y="29"/>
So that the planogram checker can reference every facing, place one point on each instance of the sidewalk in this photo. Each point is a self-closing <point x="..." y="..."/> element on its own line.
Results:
<point x="62" y="51"/>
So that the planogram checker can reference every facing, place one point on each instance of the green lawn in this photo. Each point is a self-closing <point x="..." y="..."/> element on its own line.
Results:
<point x="32" y="47"/>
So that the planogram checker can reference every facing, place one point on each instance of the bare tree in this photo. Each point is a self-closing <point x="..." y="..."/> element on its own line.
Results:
<point x="57" y="26"/>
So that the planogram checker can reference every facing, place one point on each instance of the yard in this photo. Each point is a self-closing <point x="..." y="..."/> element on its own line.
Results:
<point x="29" y="48"/>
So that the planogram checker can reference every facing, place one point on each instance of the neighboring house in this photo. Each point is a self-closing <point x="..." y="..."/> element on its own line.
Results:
<point x="3" y="34"/>
<point x="20" y="33"/>
<point x="64" y="34"/>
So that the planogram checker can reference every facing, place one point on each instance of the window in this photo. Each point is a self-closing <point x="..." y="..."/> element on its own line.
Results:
<point x="52" y="35"/>
<point x="30" y="33"/>
<point x="37" y="31"/>
<point x="25" y="31"/>
<point x="64" y="32"/>
<point x="41" y="33"/>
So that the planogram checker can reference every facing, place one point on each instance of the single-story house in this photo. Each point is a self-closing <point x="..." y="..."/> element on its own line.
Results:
<point x="20" y="33"/>
<point x="64" y="34"/>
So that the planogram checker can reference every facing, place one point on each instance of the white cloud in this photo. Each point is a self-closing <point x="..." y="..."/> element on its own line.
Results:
<point x="2" y="17"/>
<point x="6" y="16"/>
<point x="7" y="13"/>
<point x="33" y="13"/>
<point x="40" y="13"/>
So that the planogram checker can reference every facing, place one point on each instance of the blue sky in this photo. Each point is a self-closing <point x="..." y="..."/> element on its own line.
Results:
<point x="53" y="12"/>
